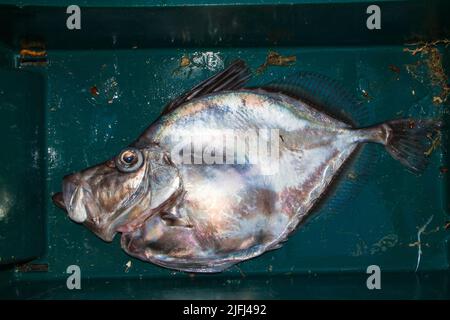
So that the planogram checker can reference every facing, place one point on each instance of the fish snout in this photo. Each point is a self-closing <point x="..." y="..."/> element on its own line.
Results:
<point x="71" y="183"/>
<point x="58" y="200"/>
<point x="75" y="195"/>
<point x="69" y="187"/>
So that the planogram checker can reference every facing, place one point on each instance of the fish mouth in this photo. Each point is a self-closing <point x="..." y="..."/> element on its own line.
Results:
<point x="76" y="198"/>
<point x="58" y="200"/>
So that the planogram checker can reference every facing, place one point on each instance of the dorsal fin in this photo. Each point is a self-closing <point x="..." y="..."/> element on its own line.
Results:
<point x="232" y="78"/>
<point x="331" y="97"/>
<point x="321" y="92"/>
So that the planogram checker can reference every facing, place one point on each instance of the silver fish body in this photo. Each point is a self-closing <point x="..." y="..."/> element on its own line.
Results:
<point x="177" y="208"/>
<point x="235" y="212"/>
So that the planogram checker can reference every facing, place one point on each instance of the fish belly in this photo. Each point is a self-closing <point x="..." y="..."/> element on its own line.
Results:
<point x="237" y="211"/>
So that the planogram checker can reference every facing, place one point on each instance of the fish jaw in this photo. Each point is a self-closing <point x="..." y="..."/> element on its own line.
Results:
<point x="107" y="201"/>
<point x="81" y="202"/>
<point x="82" y="207"/>
<point x="77" y="198"/>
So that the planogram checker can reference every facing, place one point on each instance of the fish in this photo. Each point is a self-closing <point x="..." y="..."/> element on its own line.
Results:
<point x="229" y="172"/>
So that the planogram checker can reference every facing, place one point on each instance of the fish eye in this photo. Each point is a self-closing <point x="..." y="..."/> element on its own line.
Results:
<point x="129" y="160"/>
<point x="128" y="157"/>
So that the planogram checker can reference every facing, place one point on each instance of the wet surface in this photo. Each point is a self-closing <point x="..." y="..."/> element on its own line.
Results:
<point x="99" y="102"/>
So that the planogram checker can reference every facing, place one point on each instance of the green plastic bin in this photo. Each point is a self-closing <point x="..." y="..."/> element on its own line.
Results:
<point x="72" y="98"/>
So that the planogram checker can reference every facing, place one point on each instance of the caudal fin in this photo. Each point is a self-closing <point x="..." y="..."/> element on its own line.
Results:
<point x="411" y="141"/>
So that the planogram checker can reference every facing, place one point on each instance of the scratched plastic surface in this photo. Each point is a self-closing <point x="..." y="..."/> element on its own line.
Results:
<point x="97" y="101"/>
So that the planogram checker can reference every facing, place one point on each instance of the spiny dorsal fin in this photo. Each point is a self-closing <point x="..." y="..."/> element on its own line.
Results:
<point x="321" y="92"/>
<point x="232" y="78"/>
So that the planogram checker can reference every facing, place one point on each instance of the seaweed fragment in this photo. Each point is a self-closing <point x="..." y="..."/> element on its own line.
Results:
<point x="435" y="142"/>
<point x="207" y="60"/>
<point x="32" y="53"/>
<point x="394" y="68"/>
<point x="94" y="91"/>
<point x="433" y="62"/>
<point x="275" y="59"/>
<point x="418" y="243"/>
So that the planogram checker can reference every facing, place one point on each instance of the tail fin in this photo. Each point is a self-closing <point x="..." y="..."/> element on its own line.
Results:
<point x="411" y="141"/>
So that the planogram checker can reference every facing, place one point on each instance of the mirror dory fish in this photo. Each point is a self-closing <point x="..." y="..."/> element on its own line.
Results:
<point x="189" y="195"/>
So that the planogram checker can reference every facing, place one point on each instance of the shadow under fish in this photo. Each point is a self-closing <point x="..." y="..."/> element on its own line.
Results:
<point x="177" y="209"/>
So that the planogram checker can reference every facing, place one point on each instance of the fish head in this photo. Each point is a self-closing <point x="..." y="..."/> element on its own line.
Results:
<point x="112" y="194"/>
